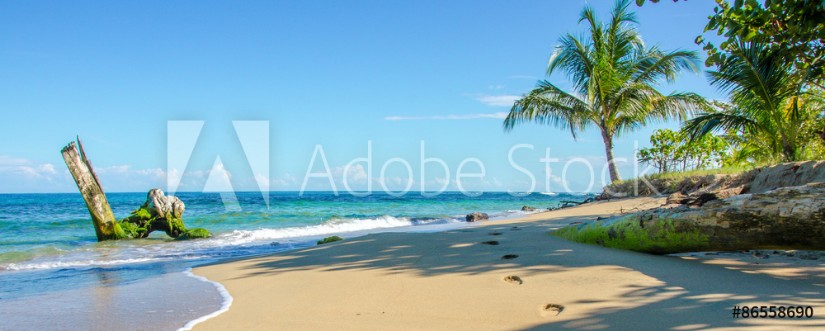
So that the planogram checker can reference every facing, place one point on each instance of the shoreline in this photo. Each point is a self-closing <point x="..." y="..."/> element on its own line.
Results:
<point x="448" y="280"/>
<point x="228" y="299"/>
<point x="225" y="303"/>
<point x="112" y="275"/>
<point x="433" y="228"/>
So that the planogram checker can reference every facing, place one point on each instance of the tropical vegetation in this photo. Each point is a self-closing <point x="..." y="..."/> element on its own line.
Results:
<point x="614" y="77"/>
<point x="672" y="151"/>
<point x="771" y="63"/>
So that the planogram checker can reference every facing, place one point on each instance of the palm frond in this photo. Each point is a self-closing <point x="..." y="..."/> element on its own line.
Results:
<point x="654" y="65"/>
<point x="547" y="104"/>
<point x="733" y="119"/>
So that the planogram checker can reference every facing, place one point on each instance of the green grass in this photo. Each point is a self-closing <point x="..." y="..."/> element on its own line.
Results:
<point x="691" y="173"/>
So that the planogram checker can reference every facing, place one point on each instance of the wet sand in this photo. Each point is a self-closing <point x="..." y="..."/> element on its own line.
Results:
<point x="165" y="301"/>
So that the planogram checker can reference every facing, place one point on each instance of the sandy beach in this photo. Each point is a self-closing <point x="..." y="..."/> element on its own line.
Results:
<point x="511" y="275"/>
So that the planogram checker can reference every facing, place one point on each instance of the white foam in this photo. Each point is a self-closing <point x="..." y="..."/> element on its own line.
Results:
<point x="334" y="226"/>
<point x="221" y="244"/>
<point x="70" y="264"/>
<point x="227" y="301"/>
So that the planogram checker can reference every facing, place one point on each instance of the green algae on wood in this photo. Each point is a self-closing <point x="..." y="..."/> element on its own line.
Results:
<point x="145" y="220"/>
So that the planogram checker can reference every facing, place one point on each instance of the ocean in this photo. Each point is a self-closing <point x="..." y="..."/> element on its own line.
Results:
<point x="55" y="275"/>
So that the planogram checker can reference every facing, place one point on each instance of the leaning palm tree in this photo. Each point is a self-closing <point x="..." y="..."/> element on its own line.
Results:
<point x="614" y="77"/>
<point x="766" y="95"/>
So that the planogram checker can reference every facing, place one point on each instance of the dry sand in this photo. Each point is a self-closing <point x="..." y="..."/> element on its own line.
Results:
<point x="454" y="281"/>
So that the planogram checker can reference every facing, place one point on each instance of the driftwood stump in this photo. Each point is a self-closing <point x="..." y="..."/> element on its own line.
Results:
<point x="106" y="226"/>
<point x="159" y="212"/>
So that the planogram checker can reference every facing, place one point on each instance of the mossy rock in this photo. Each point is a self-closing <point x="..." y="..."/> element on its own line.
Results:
<point x="194" y="233"/>
<point x="328" y="240"/>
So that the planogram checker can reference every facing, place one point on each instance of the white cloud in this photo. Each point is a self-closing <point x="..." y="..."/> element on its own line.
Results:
<point x="262" y="181"/>
<point x="219" y="179"/>
<point x="355" y="174"/>
<point x="156" y="173"/>
<point x="499" y="115"/>
<point x="286" y="181"/>
<point x="26" y="168"/>
<point x="506" y="100"/>
<point x="117" y="169"/>
<point x="12" y="161"/>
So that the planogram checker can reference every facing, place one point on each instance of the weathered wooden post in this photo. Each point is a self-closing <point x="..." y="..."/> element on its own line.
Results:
<point x="106" y="226"/>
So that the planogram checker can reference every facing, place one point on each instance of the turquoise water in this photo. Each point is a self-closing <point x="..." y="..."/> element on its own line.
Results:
<point x="48" y="247"/>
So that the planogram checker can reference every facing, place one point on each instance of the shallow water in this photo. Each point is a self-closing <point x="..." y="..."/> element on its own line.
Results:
<point x="109" y="299"/>
<point x="52" y="269"/>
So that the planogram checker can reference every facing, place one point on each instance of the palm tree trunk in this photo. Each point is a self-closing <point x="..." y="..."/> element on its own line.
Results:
<point x="608" y="150"/>
<point x="822" y="134"/>
<point x="788" y="150"/>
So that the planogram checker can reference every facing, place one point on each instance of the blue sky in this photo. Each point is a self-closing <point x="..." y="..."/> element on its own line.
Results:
<point x="321" y="73"/>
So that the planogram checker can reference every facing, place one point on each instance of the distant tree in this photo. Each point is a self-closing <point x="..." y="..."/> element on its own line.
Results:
<point x="672" y="151"/>
<point x="663" y="152"/>
<point x="613" y="77"/>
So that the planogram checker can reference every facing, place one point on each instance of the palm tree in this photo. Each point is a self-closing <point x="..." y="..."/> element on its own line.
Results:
<point x="765" y="93"/>
<point x="613" y="77"/>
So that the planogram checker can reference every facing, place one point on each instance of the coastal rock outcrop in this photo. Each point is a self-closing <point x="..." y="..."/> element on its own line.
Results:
<point x="786" y="174"/>
<point x="476" y="216"/>
<point x="723" y="186"/>
<point x="527" y="208"/>
<point x="783" y="218"/>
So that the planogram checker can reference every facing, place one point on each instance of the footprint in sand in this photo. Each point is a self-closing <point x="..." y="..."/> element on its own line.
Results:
<point x="516" y="280"/>
<point x="495" y="233"/>
<point x="552" y="309"/>
<point x="509" y="257"/>
<point x="490" y="242"/>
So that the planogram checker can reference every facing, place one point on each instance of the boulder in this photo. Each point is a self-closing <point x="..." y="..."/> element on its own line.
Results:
<point x="694" y="199"/>
<point x="476" y="216"/>
<point x="699" y="199"/>
<point x="786" y="174"/>
<point x="527" y="208"/>
<point x="677" y="198"/>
